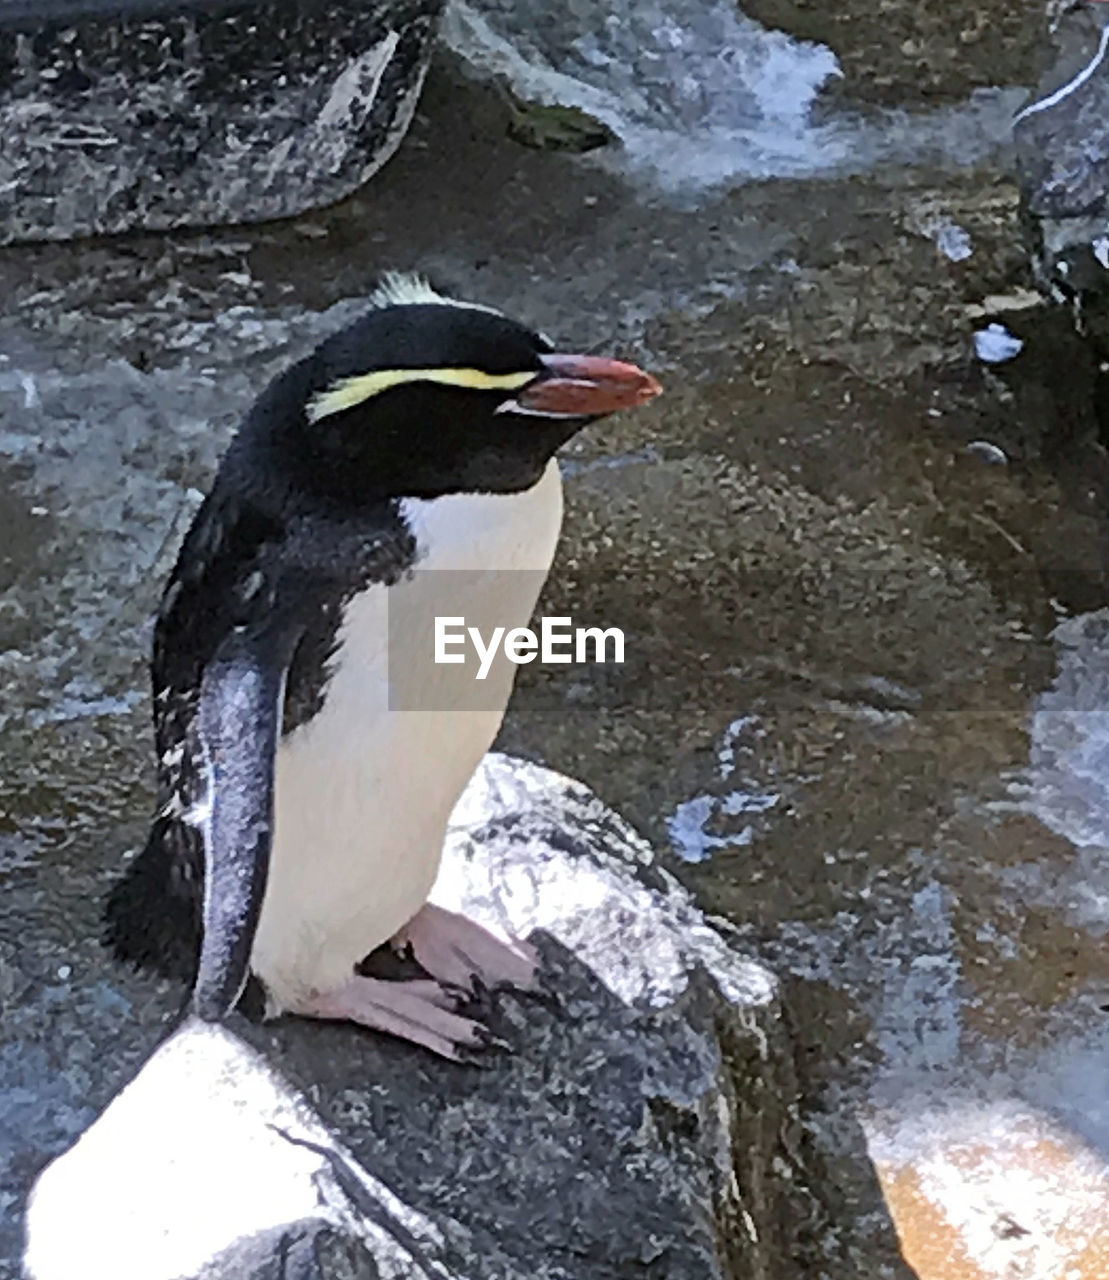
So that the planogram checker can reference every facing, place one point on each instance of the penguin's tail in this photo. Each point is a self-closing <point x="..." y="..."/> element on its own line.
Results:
<point x="153" y="913"/>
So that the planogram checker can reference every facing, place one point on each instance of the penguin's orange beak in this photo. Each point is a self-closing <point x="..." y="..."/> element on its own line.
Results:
<point x="586" y="387"/>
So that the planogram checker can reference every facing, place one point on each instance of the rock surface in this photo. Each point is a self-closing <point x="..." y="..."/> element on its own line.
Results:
<point x="643" y="1124"/>
<point x="159" y="115"/>
<point x="1062" y="140"/>
<point x="206" y="1165"/>
<point x="697" y="93"/>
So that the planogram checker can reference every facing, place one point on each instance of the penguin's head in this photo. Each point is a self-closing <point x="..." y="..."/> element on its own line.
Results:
<point x="425" y="395"/>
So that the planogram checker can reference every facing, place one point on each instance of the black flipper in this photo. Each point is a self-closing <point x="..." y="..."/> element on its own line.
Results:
<point x="242" y="649"/>
<point x="225" y="636"/>
<point x="238" y="725"/>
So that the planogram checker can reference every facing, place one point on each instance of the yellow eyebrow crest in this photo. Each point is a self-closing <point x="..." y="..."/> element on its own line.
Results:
<point x="348" y="392"/>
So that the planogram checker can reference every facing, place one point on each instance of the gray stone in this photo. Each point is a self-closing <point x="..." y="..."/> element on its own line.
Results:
<point x="1062" y="138"/>
<point x="643" y="1123"/>
<point x="206" y="1164"/>
<point x="158" y="115"/>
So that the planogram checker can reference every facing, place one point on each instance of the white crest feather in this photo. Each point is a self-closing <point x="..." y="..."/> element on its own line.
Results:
<point x="403" y="288"/>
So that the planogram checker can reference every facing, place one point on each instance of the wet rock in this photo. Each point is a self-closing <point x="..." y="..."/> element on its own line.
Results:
<point x="201" y="112"/>
<point x="207" y="1164"/>
<point x="916" y="51"/>
<point x="644" y="1121"/>
<point x="1062" y="138"/>
<point x="699" y="93"/>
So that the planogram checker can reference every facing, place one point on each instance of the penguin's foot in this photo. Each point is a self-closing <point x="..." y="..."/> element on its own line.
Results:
<point x="418" y="1010"/>
<point x="465" y="955"/>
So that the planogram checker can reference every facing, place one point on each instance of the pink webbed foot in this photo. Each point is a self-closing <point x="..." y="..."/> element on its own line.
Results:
<point x="418" y="1010"/>
<point x="463" y="954"/>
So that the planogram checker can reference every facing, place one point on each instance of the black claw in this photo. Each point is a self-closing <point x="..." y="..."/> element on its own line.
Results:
<point x="462" y="996"/>
<point x="493" y="1043"/>
<point x="484" y="1050"/>
<point x="546" y="992"/>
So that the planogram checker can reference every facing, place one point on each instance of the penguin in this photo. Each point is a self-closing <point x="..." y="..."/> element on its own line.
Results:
<point x="302" y="805"/>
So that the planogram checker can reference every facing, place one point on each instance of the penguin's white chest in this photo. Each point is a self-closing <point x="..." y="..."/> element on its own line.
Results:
<point x="364" y="790"/>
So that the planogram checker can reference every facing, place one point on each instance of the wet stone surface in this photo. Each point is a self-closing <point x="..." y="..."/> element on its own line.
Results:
<point x="154" y="114"/>
<point x="920" y="50"/>
<point x="1062" y="140"/>
<point x="839" y="546"/>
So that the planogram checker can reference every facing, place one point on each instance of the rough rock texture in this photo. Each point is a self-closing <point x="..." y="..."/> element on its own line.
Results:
<point x="207" y="1164"/>
<point x="1062" y="137"/>
<point x="643" y="1124"/>
<point x="1062" y="140"/>
<point x="696" y="93"/>
<point x="157" y="115"/>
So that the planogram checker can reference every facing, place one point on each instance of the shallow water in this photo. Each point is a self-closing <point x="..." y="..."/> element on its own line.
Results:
<point x="701" y="95"/>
